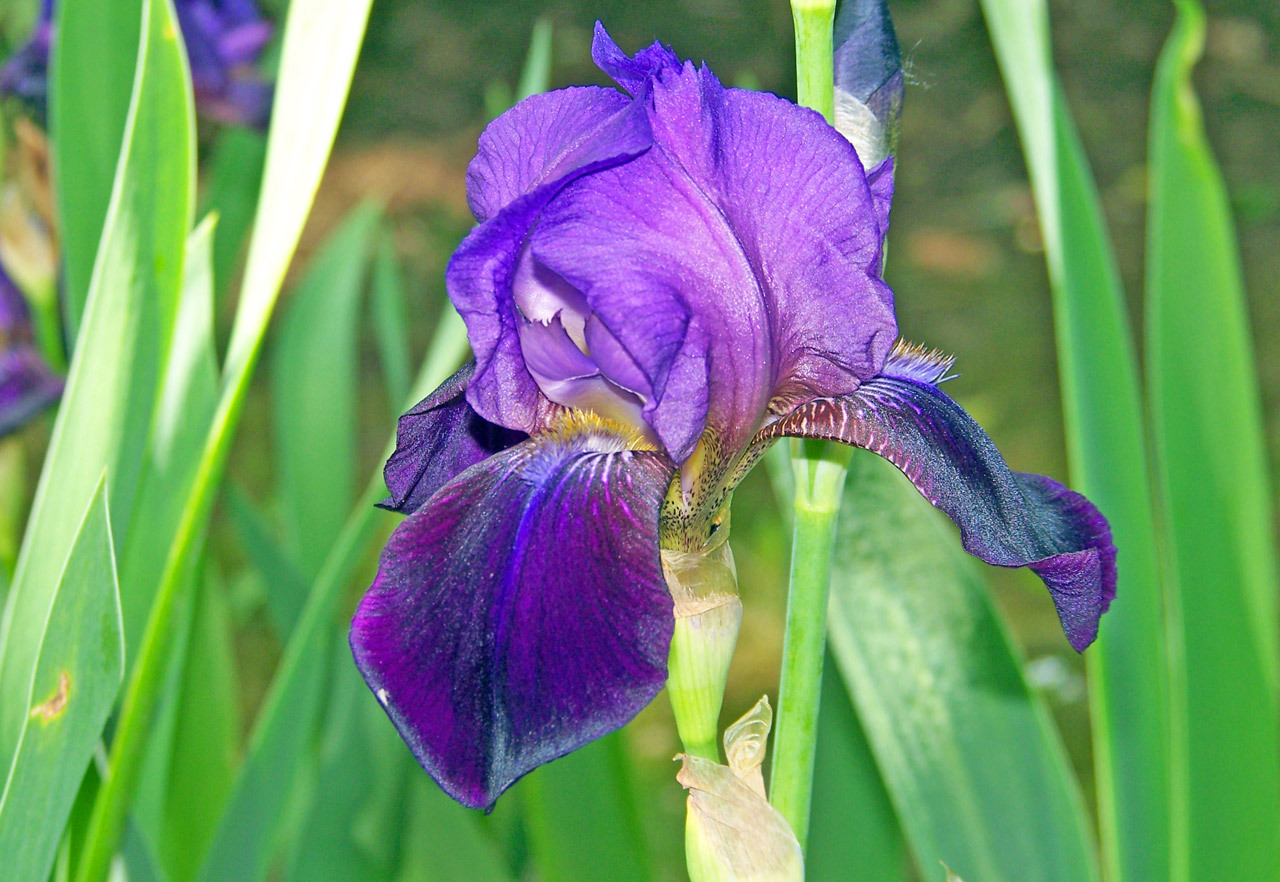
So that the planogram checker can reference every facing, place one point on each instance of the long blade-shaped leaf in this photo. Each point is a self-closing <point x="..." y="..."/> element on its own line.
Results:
<point x="111" y="392"/>
<point x="1128" y="666"/>
<point x="1216" y="492"/>
<point x="314" y="392"/>
<point x="850" y="804"/>
<point x="969" y="756"/>
<point x="77" y="674"/>
<point x="91" y="78"/>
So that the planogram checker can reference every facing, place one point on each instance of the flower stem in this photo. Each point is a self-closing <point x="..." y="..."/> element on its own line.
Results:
<point x="820" y="470"/>
<point x="815" y="79"/>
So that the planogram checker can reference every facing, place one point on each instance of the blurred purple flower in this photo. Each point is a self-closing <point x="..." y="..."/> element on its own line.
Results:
<point x="223" y="37"/>
<point x="661" y="283"/>
<point x="27" y="384"/>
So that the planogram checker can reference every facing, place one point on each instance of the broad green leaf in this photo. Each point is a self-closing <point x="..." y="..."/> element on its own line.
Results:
<point x="233" y="178"/>
<point x="968" y="754"/>
<point x="580" y="812"/>
<point x="853" y="831"/>
<point x="1106" y="446"/>
<point x="458" y="849"/>
<point x="360" y="776"/>
<point x="321" y="43"/>
<point x="287" y="587"/>
<point x="91" y="76"/>
<point x="205" y="753"/>
<point x="314" y="391"/>
<point x="187" y="397"/>
<point x="390" y="324"/>
<point x="106" y="414"/>
<point x="79" y="666"/>
<point x="1216" y="494"/>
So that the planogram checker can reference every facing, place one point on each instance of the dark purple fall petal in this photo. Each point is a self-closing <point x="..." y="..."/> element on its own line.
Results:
<point x="436" y="441"/>
<point x="1007" y="518"/>
<point x="521" y="612"/>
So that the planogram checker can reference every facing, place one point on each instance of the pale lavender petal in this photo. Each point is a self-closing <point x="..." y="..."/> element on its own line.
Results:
<point x="521" y="612"/>
<point x="737" y="262"/>
<point x="438" y="439"/>
<point x="1006" y="518"/>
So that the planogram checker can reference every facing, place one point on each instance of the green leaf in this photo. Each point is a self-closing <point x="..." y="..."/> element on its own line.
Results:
<point x="205" y="755"/>
<point x="1216" y="494"/>
<point x="286" y="586"/>
<point x="390" y="325"/>
<point x="187" y="398"/>
<point x="77" y="672"/>
<point x="1106" y="446"/>
<point x="850" y="804"/>
<point x="458" y="848"/>
<point x="233" y="178"/>
<point x="359" y="775"/>
<point x="968" y="754"/>
<point x="581" y="815"/>
<point x="314" y="391"/>
<point x="535" y="78"/>
<point x="286" y="724"/>
<point x="106" y="414"/>
<point x="91" y="74"/>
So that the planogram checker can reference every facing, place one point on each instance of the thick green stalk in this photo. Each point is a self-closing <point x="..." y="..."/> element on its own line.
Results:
<point x="815" y="78"/>
<point x="819" y="469"/>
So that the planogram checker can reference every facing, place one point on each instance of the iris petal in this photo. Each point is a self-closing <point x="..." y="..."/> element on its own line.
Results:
<point x="525" y="157"/>
<point x="438" y="439"/>
<point x="1007" y="518"/>
<point x="736" y="261"/>
<point x="521" y="612"/>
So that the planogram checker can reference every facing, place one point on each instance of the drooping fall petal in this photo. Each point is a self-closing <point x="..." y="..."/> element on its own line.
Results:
<point x="521" y="612"/>
<point x="1006" y="518"/>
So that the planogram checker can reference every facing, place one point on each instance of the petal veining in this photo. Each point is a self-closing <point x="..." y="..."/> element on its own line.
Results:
<point x="521" y="612"/>
<point x="1006" y="518"/>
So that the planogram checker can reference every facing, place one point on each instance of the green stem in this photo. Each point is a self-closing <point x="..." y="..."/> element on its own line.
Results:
<point x="820" y="470"/>
<point x="815" y="79"/>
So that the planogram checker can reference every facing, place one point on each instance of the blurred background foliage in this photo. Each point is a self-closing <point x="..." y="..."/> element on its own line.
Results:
<point x="967" y="267"/>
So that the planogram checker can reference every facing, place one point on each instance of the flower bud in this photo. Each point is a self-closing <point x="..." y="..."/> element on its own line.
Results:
<point x="868" y="79"/>
<point x="704" y="586"/>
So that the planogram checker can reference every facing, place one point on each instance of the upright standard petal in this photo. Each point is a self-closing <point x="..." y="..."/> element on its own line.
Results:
<point x="436" y="441"/>
<point x="526" y="156"/>
<point x="1007" y="518"/>
<point x="737" y="261"/>
<point x="521" y="612"/>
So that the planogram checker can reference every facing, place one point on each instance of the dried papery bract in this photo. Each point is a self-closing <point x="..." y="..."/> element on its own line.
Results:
<point x="732" y="834"/>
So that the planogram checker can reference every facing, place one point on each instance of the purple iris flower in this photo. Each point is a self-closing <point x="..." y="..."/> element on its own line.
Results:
<point x="663" y="281"/>
<point x="223" y="37"/>
<point x="27" y="384"/>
